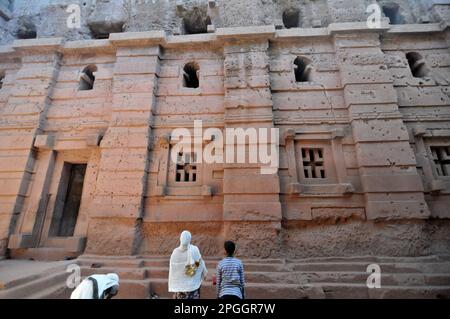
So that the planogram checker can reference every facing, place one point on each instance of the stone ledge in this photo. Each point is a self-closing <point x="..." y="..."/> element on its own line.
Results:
<point x="83" y="46"/>
<point x="50" y="142"/>
<point x="415" y="28"/>
<point x="193" y="39"/>
<point x="7" y="51"/>
<point x="192" y="192"/>
<point x="340" y="189"/>
<point x="315" y="135"/>
<point x="17" y="241"/>
<point x="350" y="27"/>
<point x="442" y="2"/>
<point x="39" y="44"/>
<point x="74" y="243"/>
<point x="437" y="186"/>
<point x="429" y="132"/>
<point x="44" y="142"/>
<point x="288" y="34"/>
<point x="137" y="38"/>
<point x="239" y="33"/>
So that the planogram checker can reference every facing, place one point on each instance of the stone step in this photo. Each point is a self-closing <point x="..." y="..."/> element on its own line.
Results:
<point x="253" y="290"/>
<point x="59" y="291"/>
<point x="369" y="259"/>
<point x="350" y="259"/>
<point x="331" y="289"/>
<point x="430" y="267"/>
<point x="294" y="277"/>
<point x="36" y="285"/>
<point x="140" y="289"/>
<point x="361" y="291"/>
<point x="28" y="271"/>
<point x="412" y="279"/>
<point x="316" y="276"/>
<point x="129" y="289"/>
<point x="134" y="289"/>
<point x="106" y="262"/>
<point x="426" y="265"/>
<point x="44" y="254"/>
<point x="124" y="273"/>
<point x="427" y="277"/>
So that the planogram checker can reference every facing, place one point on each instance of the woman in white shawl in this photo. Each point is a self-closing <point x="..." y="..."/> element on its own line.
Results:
<point x="187" y="269"/>
<point x="97" y="287"/>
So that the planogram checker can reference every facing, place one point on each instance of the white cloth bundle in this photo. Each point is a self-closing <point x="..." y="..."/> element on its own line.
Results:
<point x="185" y="254"/>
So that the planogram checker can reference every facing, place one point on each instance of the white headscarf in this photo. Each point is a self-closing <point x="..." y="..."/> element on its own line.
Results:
<point x="185" y="254"/>
<point x="185" y="239"/>
<point x="105" y="282"/>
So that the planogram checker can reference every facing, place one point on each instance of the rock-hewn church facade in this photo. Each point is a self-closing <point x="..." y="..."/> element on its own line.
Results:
<point x="363" y="117"/>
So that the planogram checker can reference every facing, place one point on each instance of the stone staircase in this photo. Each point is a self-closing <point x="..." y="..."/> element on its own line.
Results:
<point x="339" y="277"/>
<point x="47" y="283"/>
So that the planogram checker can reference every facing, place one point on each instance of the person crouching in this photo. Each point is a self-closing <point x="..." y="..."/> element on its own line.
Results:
<point x="97" y="287"/>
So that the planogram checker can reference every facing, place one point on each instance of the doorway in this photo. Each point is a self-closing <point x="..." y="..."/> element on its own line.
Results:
<point x="68" y="200"/>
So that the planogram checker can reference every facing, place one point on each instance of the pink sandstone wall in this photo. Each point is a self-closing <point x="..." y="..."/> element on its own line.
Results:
<point x="373" y="119"/>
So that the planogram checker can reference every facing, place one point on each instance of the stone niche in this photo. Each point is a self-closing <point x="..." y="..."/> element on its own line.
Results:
<point x="195" y="18"/>
<point x="26" y="28"/>
<point x="300" y="14"/>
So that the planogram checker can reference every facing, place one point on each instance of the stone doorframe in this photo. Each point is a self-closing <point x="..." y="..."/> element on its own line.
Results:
<point x="33" y="228"/>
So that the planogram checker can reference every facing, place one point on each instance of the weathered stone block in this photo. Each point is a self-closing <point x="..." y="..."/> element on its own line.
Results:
<point x="45" y="142"/>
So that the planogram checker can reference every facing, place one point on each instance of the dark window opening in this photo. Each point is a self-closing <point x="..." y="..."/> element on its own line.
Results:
<point x="291" y="18"/>
<point x="87" y="78"/>
<point x="417" y="65"/>
<point x="313" y="163"/>
<point x="186" y="170"/>
<point x="26" y="30"/>
<point x="196" y="24"/>
<point x="392" y="11"/>
<point x="68" y="200"/>
<point x="190" y="75"/>
<point x="302" y="70"/>
<point x="101" y="36"/>
<point x="2" y="78"/>
<point x="441" y="159"/>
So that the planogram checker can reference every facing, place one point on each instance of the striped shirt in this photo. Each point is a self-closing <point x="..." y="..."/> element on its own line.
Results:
<point x="230" y="278"/>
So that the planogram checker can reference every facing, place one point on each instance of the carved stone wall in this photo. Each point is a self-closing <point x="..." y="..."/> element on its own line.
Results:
<point x="364" y="133"/>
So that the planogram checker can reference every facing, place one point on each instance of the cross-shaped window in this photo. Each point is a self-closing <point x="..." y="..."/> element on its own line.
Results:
<point x="186" y="170"/>
<point x="313" y="163"/>
<point x="441" y="159"/>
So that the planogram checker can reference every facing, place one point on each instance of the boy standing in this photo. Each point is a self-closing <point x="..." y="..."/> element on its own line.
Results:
<point x="230" y="275"/>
